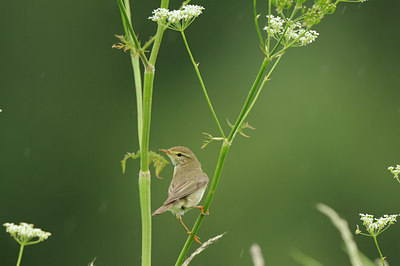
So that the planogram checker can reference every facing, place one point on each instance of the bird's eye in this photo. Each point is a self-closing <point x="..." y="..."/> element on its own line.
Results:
<point x="179" y="154"/>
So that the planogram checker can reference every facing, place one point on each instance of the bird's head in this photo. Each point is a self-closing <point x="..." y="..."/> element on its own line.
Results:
<point x="182" y="156"/>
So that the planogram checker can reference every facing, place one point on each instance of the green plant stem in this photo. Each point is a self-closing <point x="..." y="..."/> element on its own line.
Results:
<point x="139" y="98"/>
<point x="136" y="75"/>
<point x="269" y="24"/>
<point x="221" y="161"/>
<point x="256" y="23"/>
<point x="21" y="250"/>
<point x="289" y="45"/>
<point x="380" y="254"/>
<point x="282" y="36"/>
<point x="132" y="33"/>
<point x="202" y="85"/>
<point x="266" y="78"/>
<point x="144" y="174"/>
<point x="144" y="100"/>
<point x="218" y="170"/>
<point x="249" y="98"/>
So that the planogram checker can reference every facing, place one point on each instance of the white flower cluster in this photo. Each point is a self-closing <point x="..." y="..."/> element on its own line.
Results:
<point x="275" y="25"/>
<point x="25" y="232"/>
<point x="374" y="228"/>
<point x="395" y="171"/>
<point x="179" y="19"/>
<point x="294" y="31"/>
<point x="159" y="14"/>
<point x="298" y="33"/>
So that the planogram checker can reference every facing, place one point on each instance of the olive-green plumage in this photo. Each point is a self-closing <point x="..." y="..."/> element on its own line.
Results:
<point x="188" y="183"/>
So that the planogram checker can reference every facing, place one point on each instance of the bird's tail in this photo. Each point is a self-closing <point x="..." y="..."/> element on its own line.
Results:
<point x="161" y="210"/>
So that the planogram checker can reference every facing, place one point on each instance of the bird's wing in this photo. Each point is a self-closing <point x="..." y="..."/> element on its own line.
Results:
<point x="185" y="188"/>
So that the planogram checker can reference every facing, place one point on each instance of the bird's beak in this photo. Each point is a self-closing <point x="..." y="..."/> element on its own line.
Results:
<point x="166" y="151"/>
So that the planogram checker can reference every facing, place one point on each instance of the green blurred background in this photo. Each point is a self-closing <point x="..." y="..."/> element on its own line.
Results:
<point x="328" y="126"/>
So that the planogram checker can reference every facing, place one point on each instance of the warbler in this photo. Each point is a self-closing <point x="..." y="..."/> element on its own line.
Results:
<point x="187" y="186"/>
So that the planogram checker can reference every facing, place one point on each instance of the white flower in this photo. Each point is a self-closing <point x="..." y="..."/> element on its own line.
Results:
<point x="395" y="171"/>
<point x="374" y="228"/>
<point x="308" y="37"/>
<point x="175" y="16"/>
<point x="177" y="19"/>
<point x="159" y="14"/>
<point x="25" y="232"/>
<point x="275" y="25"/>
<point x="294" y="31"/>
<point x="193" y="10"/>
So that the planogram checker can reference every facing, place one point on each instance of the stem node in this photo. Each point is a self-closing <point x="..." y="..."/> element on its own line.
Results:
<point x="144" y="174"/>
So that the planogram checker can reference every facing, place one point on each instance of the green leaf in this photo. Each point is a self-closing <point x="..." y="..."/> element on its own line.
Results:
<point x="159" y="162"/>
<point x="126" y="157"/>
<point x="209" y="139"/>
<point x="240" y="129"/>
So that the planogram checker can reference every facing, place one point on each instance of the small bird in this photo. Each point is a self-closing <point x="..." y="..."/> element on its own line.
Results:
<point x="187" y="186"/>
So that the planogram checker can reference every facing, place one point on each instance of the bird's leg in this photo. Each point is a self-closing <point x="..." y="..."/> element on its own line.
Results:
<point x="201" y="208"/>
<point x="196" y="238"/>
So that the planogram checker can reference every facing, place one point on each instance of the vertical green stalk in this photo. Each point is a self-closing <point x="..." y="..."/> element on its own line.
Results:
<point x="144" y="117"/>
<point x="21" y="250"/>
<point x="380" y="253"/>
<point x="139" y="99"/>
<point x="144" y="174"/>
<point x="256" y="24"/>
<point x="269" y="24"/>
<point x="136" y="74"/>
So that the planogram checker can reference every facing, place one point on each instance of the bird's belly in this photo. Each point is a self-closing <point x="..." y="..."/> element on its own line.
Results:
<point x="178" y="208"/>
<point x="194" y="198"/>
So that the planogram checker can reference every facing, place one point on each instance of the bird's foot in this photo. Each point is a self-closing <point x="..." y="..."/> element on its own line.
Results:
<point x="196" y="238"/>
<point x="201" y="208"/>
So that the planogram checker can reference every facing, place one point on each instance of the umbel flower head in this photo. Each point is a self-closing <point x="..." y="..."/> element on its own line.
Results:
<point x="293" y="32"/>
<point x="395" y="171"/>
<point x="24" y="233"/>
<point x="177" y="19"/>
<point x="375" y="226"/>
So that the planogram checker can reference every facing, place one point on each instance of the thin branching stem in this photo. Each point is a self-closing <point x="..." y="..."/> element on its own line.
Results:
<point x="266" y="78"/>
<point x="379" y="250"/>
<point x="221" y="161"/>
<point x="290" y="44"/>
<point x="139" y="97"/>
<point x="247" y="103"/>
<point x="256" y="23"/>
<point x="282" y="36"/>
<point x="136" y="75"/>
<point x="133" y="35"/>
<point x="269" y="24"/>
<point x="196" y="67"/>
<point x="21" y="251"/>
